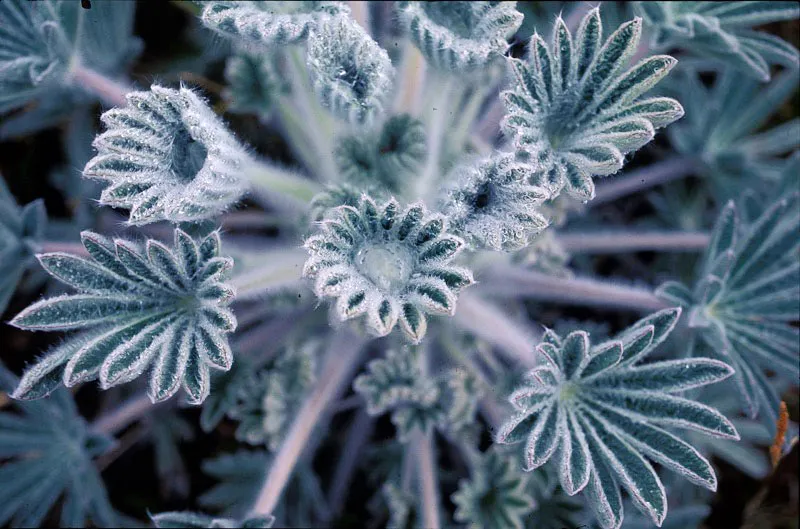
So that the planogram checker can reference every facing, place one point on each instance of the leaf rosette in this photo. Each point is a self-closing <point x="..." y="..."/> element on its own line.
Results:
<point x="389" y="265"/>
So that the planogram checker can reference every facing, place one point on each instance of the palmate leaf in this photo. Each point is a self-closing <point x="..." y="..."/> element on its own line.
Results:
<point x="388" y="160"/>
<point x="575" y="111"/>
<point x="496" y="494"/>
<point x="601" y="414"/>
<point x="389" y="264"/>
<point x="47" y="449"/>
<point x="746" y="296"/>
<point x="21" y="231"/>
<point x="723" y="129"/>
<point x="41" y="41"/>
<point x="143" y="306"/>
<point x="351" y="74"/>
<point x="267" y="401"/>
<point x="492" y="204"/>
<point x="723" y="31"/>
<point x="167" y="156"/>
<point x="460" y="36"/>
<point x="266" y="24"/>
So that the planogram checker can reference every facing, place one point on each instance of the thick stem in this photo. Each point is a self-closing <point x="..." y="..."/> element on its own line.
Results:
<point x="438" y="108"/>
<point x="128" y="412"/>
<point x="489" y="124"/>
<point x="422" y="445"/>
<point x="315" y="121"/>
<point x="283" y="269"/>
<point x="509" y="281"/>
<point x="610" y="242"/>
<point x="281" y="184"/>
<point x="359" y="9"/>
<point x="357" y="438"/>
<point x="466" y="116"/>
<point x="108" y="90"/>
<point x="342" y="360"/>
<point x="412" y="77"/>
<point x="644" y="178"/>
<point x="485" y="320"/>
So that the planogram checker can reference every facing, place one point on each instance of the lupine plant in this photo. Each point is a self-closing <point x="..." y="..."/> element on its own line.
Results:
<point x="404" y="264"/>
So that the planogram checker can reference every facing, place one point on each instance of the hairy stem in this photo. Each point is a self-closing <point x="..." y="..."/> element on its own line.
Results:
<point x="283" y="269"/>
<point x="466" y="116"/>
<point x="342" y="359"/>
<point x="108" y="90"/>
<point x="610" y="242"/>
<point x="644" y="178"/>
<point x="485" y="320"/>
<point x="359" y="9"/>
<point x="438" y="110"/>
<point x="128" y="412"/>
<point x="509" y="281"/>
<point x="280" y="184"/>
<point x="412" y="76"/>
<point x="315" y="121"/>
<point x="422" y="445"/>
<point x="357" y="438"/>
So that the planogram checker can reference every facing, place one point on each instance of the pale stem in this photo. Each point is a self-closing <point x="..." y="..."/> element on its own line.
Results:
<point x="283" y="269"/>
<point x="412" y="77"/>
<point x="108" y="90"/>
<point x="266" y="339"/>
<point x="252" y="220"/>
<point x="357" y="438"/>
<point x="515" y="282"/>
<point x="485" y="320"/>
<point x="279" y="184"/>
<point x="422" y="445"/>
<point x="610" y="242"/>
<point x="466" y="116"/>
<point x="360" y="12"/>
<point x="128" y="412"/>
<point x="438" y="110"/>
<point x="342" y="360"/>
<point x="489" y="125"/>
<point x="294" y="128"/>
<point x="316" y="122"/>
<point x="641" y="179"/>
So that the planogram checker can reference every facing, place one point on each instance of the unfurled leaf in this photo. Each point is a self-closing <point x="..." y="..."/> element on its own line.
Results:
<point x="145" y="307"/>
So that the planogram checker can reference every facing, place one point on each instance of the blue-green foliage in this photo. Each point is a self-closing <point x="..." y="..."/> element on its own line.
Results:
<point x="575" y="111"/>
<point x="600" y="412"/>
<point x="390" y="264"/>
<point x="254" y="82"/>
<point x="167" y="156"/>
<point x="40" y="42"/>
<point x="144" y="306"/>
<point x="723" y="131"/>
<point x="21" y="232"/>
<point x="388" y="161"/>
<point x="460" y="36"/>
<point x="492" y="204"/>
<point x="495" y="495"/>
<point x="351" y="73"/>
<point x="723" y="31"/>
<point x="746" y="295"/>
<point x="267" y="400"/>
<point x="268" y="24"/>
<point x="47" y="449"/>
